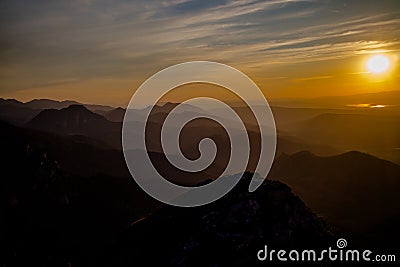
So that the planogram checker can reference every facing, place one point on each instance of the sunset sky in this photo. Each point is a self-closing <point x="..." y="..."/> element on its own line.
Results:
<point x="100" y="51"/>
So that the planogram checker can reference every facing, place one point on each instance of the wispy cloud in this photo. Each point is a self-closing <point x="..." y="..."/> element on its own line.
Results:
<point x="314" y="78"/>
<point x="55" y="40"/>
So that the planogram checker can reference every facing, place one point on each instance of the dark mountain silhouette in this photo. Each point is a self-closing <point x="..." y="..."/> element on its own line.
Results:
<point x="78" y="155"/>
<point x="228" y="232"/>
<point x="40" y="104"/>
<point x="373" y="131"/>
<point x="291" y="144"/>
<point x="11" y="102"/>
<point x="116" y="115"/>
<point x="51" y="217"/>
<point x="54" y="104"/>
<point x="19" y="113"/>
<point x="16" y="114"/>
<point x="354" y="191"/>
<point x="77" y="120"/>
<point x="73" y="117"/>
<point x="49" y="104"/>
<point x="168" y="106"/>
<point x="375" y="134"/>
<point x="196" y="129"/>
<point x="66" y="198"/>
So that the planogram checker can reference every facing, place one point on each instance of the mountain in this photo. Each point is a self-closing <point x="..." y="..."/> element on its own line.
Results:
<point x="320" y="130"/>
<point x="375" y="134"/>
<point x="227" y="232"/>
<point x="116" y="115"/>
<point x="94" y="157"/>
<point x="54" y="104"/>
<point x="168" y="106"/>
<point x="53" y="217"/>
<point x="19" y="113"/>
<point x="68" y="200"/>
<point x="354" y="191"/>
<point x="49" y="104"/>
<point x="10" y="102"/>
<point x="56" y="215"/>
<point x="77" y="120"/>
<point x="16" y="114"/>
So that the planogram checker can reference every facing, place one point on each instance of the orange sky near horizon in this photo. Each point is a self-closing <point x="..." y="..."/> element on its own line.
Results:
<point x="93" y="52"/>
<point x="346" y="77"/>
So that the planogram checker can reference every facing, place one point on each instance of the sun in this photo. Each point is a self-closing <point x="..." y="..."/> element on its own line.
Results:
<point x="378" y="64"/>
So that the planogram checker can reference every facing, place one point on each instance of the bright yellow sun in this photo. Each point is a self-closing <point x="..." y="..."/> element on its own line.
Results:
<point x="378" y="64"/>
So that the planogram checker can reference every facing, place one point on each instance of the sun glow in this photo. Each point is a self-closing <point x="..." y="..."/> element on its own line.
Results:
<point x="378" y="64"/>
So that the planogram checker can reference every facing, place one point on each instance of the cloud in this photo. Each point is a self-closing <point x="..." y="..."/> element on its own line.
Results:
<point x="314" y="78"/>
<point x="56" y="40"/>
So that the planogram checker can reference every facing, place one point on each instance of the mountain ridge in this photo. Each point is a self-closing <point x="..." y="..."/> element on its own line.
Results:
<point x="77" y="120"/>
<point x="354" y="191"/>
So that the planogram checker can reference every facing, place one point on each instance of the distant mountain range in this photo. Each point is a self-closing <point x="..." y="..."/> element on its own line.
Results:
<point x="353" y="191"/>
<point x="51" y="104"/>
<point x="77" y="120"/>
<point x="19" y="113"/>
<point x="324" y="131"/>
<point x="69" y="199"/>
<point x="115" y="115"/>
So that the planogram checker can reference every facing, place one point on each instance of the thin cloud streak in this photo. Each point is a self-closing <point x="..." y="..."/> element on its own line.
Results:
<point x="314" y="78"/>
<point x="131" y="40"/>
